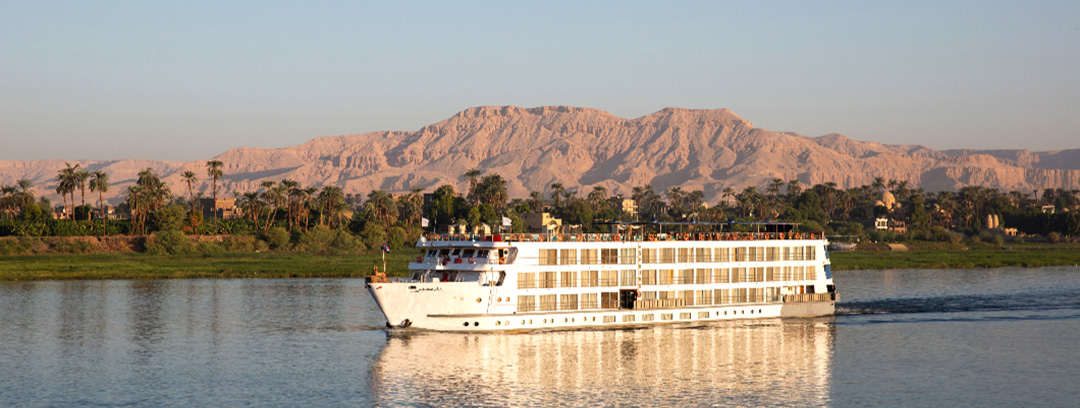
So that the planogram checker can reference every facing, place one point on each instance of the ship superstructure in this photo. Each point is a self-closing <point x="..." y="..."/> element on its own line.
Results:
<point x="525" y="282"/>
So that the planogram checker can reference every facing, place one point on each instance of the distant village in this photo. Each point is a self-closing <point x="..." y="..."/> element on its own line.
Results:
<point x="885" y="211"/>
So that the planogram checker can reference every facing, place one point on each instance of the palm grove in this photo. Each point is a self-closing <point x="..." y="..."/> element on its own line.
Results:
<point x="285" y="215"/>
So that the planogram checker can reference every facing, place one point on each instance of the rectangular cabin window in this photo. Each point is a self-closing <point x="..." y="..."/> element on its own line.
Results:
<point x="588" y="301"/>
<point x="547" y="280"/>
<point x="704" y="297"/>
<point x="527" y="280"/>
<point x="468" y="253"/>
<point x="567" y="257"/>
<point x="718" y="296"/>
<point x="609" y="278"/>
<point x="666" y="316"/>
<point x="666" y="294"/>
<point x="688" y="297"/>
<point x="684" y="255"/>
<point x="722" y="255"/>
<point x="811" y="253"/>
<point x="738" y="275"/>
<point x="648" y="295"/>
<point x="751" y="254"/>
<point x="526" y="303"/>
<point x="647" y="317"/>
<point x="787" y="253"/>
<point x="482" y="254"/>
<point x="740" y="254"/>
<point x="609" y="300"/>
<point x="770" y="274"/>
<point x="721" y="275"/>
<point x="703" y="276"/>
<point x="772" y="254"/>
<point x="759" y="273"/>
<point x="650" y="255"/>
<point x="686" y="277"/>
<point x="667" y="255"/>
<point x="589" y="279"/>
<point x="665" y="277"/>
<point x="703" y="255"/>
<point x="548" y="302"/>
<point x="648" y="277"/>
<point x="609" y="256"/>
<point x="568" y="302"/>
<point x="549" y="257"/>
<point x="588" y="257"/>
<point x="628" y="278"/>
<point x="568" y="279"/>
<point x="628" y="256"/>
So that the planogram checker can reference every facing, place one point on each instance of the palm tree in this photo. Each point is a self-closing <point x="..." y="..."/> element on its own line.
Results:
<point x="66" y="182"/>
<point x="879" y="184"/>
<point x="271" y="196"/>
<point x="99" y="182"/>
<point x="331" y="200"/>
<point x="536" y="201"/>
<point x="213" y="170"/>
<point x="557" y="190"/>
<point x="471" y="175"/>
<point x="190" y="178"/>
<point x="382" y="205"/>
<point x="81" y="177"/>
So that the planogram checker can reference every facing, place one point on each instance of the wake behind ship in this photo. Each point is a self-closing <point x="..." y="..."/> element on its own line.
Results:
<point x="527" y="282"/>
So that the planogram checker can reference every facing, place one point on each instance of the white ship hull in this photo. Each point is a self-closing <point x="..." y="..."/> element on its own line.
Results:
<point x="492" y="293"/>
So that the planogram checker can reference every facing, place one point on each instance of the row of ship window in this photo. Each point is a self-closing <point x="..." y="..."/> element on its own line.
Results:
<point x="613" y="256"/>
<point x="610" y="300"/>
<point x="571" y="279"/>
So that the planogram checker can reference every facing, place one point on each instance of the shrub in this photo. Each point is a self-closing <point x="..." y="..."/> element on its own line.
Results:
<point x="238" y="243"/>
<point x="171" y="242"/>
<point x="167" y="218"/>
<point x="208" y="248"/>
<point x="396" y="237"/>
<point x="316" y="240"/>
<point x="373" y="235"/>
<point x="1054" y="237"/>
<point x="278" y="238"/>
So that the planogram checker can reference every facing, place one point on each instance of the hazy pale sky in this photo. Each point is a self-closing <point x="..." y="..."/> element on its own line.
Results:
<point x="187" y="80"/>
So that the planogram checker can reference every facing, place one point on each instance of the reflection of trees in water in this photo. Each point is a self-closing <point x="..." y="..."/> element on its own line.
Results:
<point x="767" y="362"/>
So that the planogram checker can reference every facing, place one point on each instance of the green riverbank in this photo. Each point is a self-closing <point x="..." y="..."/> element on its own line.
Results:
<point x="977" y="257"/>
<point x="298" y="265"/>
<point x="225" y="265"/>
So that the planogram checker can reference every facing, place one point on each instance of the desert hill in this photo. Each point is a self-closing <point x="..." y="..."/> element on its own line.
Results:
<point x="581" y="148"/>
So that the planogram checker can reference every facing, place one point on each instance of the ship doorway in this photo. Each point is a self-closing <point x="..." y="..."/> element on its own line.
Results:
<point x="627" y="298"/>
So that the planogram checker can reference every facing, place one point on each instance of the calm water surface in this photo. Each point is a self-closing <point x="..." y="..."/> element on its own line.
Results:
<point x="997" y="337"/>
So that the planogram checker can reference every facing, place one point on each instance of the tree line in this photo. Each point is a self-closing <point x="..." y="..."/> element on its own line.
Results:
<point x="285" y="210"/>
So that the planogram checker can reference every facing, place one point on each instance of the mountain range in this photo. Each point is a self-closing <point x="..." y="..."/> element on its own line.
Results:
<point x="531" y="148"/>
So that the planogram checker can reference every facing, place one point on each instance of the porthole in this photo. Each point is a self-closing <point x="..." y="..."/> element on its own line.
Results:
<point x="530" y="321"/>
<point x="523" y="322"/>
<point x="499" y="300"/>
<point x="507" y="322"/>
<point x="475" y="323"/>
<point x="466" y="324"/>
<point x="498" y="323"/>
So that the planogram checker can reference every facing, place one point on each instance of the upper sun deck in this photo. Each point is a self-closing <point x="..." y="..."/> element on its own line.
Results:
<point x="496" y="239"/>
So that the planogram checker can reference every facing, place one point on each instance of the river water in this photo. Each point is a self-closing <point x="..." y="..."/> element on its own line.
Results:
<point x="976" y="337"/>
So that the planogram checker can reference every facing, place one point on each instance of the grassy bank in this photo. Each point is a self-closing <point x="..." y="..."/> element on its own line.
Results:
<point x="225" y="265"/>
<point x="299" y="265"/>
<point x="958" y="257"/>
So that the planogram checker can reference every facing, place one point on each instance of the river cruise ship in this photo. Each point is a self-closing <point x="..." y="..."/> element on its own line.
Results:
<point x="654" y="274"/>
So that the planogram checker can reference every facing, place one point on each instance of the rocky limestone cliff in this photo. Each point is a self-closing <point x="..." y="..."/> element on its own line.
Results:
<point x="581" y="148"/>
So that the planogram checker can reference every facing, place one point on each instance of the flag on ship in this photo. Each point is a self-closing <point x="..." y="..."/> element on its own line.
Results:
<point x="385" y="248"/>
<point x="423" y="222"/>
<point x="506" y="221"/>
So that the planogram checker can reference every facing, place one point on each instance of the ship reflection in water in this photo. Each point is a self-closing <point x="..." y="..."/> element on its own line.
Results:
<point x="764" y="362"/>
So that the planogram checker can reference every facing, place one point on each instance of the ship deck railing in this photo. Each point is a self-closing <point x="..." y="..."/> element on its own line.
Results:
<point x="695" y="236"/>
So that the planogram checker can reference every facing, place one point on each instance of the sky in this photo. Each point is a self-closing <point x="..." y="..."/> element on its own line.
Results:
<point x="188" y="80"/>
